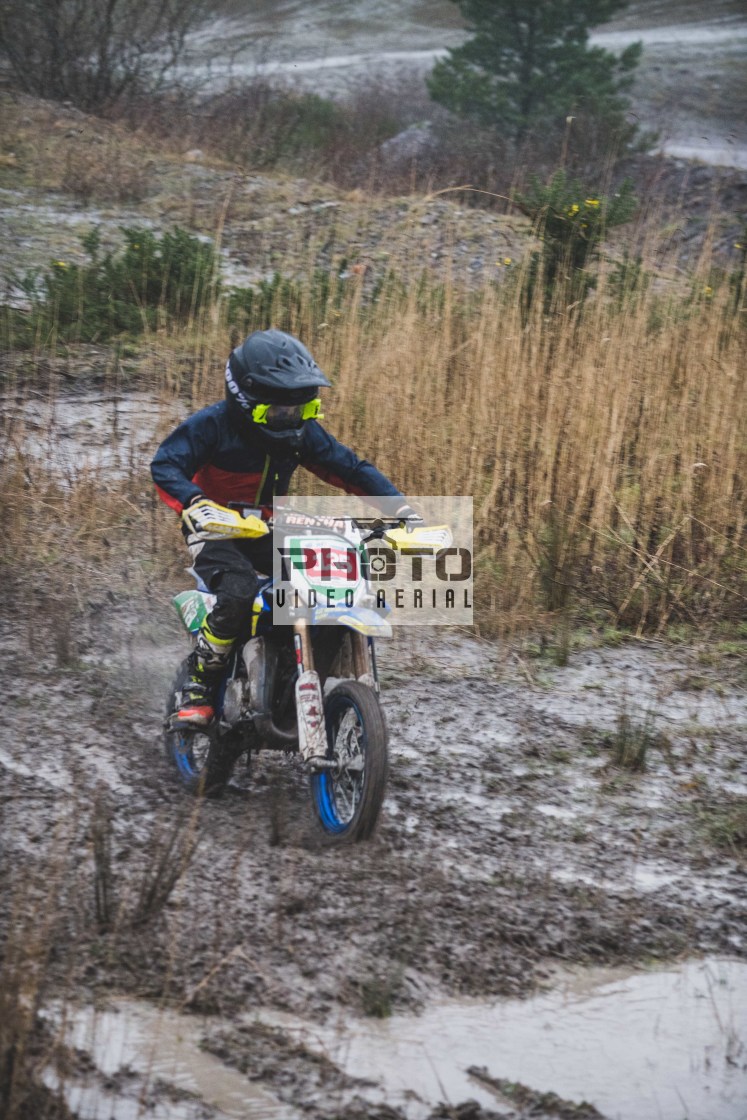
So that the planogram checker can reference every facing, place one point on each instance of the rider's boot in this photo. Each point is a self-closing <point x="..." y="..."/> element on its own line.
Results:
<point x="207" y="662"/>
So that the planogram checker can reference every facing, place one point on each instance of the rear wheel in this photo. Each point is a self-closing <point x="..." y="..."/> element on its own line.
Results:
<point x="347" y="799"/>
<point x="203" y="763"/>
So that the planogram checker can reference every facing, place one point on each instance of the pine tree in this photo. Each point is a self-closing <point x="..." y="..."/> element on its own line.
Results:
<point x="529" y="66"/>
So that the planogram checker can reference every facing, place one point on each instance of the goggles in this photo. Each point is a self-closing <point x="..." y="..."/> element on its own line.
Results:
<point x="278" y="417"/>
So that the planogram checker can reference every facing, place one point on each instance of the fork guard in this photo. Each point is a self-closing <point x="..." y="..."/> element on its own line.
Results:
<point x="312" y="737"/>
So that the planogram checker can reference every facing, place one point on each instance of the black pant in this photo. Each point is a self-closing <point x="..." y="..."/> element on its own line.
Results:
<point x="229" y="571"/>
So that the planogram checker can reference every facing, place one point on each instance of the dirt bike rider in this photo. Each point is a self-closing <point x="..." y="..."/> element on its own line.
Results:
<point x="245" y="449"/>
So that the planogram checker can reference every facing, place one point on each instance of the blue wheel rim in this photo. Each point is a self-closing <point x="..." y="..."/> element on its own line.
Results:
<point x="325" y="801"/>
<point x="181" y="743"/>
<point x="184" y="756"/>
<point x="322" y="784"/>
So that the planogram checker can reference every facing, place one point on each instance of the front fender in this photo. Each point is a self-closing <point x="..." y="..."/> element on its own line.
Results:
<point x="364" y="621"/>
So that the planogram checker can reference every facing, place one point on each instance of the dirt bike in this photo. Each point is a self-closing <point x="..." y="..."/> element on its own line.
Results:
<point x="306" y="687"/>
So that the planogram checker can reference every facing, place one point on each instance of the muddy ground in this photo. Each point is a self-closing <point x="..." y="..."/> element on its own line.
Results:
<point x="512" y="840"/>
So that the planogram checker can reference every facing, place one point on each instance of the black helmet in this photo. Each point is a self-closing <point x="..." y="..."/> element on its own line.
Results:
<point x="273" y="369"/>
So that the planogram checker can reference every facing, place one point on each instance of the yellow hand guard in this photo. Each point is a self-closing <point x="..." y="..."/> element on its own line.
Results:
<point x="209" y="521"/>
<point x="422" y="536"/>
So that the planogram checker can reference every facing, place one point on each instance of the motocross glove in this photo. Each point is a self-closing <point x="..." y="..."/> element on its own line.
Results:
<point x="409" y="516"/>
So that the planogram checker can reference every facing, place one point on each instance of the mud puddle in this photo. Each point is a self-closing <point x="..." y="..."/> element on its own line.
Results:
<point x="647" y="1046"/>
<point x="718" y="150"/>
<point x="655" y="1045"/>
<point x="137" y="1051"/>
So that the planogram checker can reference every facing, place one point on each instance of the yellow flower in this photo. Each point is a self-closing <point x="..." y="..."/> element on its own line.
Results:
<point x="738" y="245"/>
<point x="574" y="209"/>
<point x="592" y="201"/>
<point x="507" y="260"/>
<point x="708" y="291"/>
<point x="59" y="264"/>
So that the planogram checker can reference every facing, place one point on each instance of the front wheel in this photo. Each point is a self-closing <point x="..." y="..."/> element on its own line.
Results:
<point x="203" y="764"/>
<point x="347" y="800"/>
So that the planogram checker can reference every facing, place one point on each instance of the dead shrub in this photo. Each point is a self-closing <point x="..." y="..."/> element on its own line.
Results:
<point x="26" y="1046"/>
<point x="104" y="170"/>
<point x="94" y="54"/>
<point x="171" y="850"/>
<point x="103" y="877"/>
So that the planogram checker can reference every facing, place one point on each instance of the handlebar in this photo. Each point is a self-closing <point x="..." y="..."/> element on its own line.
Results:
<point x="394" y="530"/>
<point x="377" y="524"/>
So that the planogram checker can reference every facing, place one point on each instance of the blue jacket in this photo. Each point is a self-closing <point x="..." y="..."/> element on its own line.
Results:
<point x="208" y="454"/>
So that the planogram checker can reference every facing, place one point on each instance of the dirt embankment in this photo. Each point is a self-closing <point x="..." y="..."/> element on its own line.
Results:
<point x="63" y="174"/>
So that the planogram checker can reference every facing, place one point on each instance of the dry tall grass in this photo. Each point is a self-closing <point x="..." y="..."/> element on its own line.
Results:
<point x="604" y="445"/>
<point x="607" y="459"/>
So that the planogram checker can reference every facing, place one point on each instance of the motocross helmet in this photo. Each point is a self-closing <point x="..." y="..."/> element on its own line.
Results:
<point x="272" y="385"/>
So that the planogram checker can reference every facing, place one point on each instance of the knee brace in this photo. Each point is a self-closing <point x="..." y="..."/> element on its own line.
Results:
<point x="231" y="616"/>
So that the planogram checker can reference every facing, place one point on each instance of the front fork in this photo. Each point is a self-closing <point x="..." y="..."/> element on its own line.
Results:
<point x="312" y="732"/>
<point x="364" y="661"/>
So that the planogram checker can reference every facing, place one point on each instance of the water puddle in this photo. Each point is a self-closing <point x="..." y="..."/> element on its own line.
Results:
<point x="726" y="32"/>
<point x="660" y="1045"/>
<point x="556" y="812"/>
<point x="582" y="694"/>
<point x="719" y="152"/>
<point x="650" y="1046"/>
<point x="137" y="1048"/>
<point x="54" y="776"/>
<point x="642" y="878"/>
